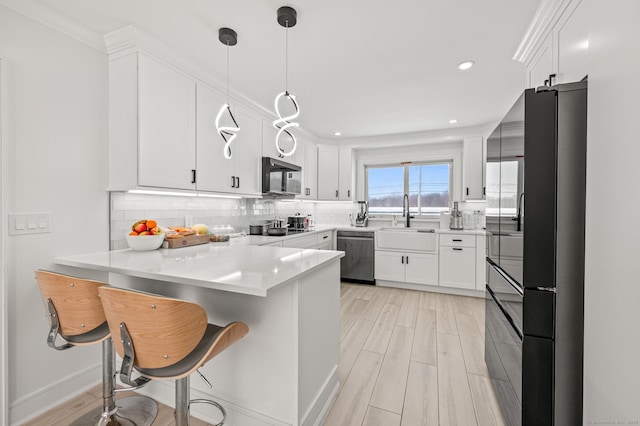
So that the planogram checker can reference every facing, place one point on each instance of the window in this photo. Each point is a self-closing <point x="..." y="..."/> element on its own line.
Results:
<point x="428" y="186"/>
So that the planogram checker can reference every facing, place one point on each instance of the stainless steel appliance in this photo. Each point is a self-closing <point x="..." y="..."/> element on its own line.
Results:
<point x="535" y="272"/>
<point x="280" y="179"/>
<point x="455" y="219"/>
<point x="362" y="219"/>
<point x="357" y="264"/>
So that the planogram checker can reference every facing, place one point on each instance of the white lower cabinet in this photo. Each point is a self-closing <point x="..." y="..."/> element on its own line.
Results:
<point x="458" y="261"/>
<point x="408" y="267"/>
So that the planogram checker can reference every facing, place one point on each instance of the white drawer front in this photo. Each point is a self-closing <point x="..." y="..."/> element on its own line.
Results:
<point x="325" y="237"/>
<point x="457" y="240"/>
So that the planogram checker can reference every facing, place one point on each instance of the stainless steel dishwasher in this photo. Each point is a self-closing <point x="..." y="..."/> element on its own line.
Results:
<point x="357" y="263"/>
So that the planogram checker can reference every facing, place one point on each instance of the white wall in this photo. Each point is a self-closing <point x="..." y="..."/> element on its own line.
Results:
<point x="612" y="293"/>
<point x="56" y="148"/>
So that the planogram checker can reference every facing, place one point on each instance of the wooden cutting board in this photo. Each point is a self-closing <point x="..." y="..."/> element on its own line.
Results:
<point x="191" y="240"/>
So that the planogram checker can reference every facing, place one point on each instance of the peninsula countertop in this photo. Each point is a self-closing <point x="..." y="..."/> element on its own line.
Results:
<point x="236" y="268"/>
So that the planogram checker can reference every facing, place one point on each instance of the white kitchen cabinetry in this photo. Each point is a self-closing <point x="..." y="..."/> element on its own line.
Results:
<point x="541" y="66"/>
<point x="152" y="125"/>
<point x="310" y="173"/>
<point x="473" y="157"/>
<point x="407" y="257"/>
<point x="325" y="240"/>
<point x="458" y="261"/>
<point x="571" y="34"/>
<point x="240" y="173"/>
<point x="317" y="240"/>
<point x="563" y="49"/>
<point x="346" y="174"/>
<point x="334" y="173"/>
<point x="328" y="169"/>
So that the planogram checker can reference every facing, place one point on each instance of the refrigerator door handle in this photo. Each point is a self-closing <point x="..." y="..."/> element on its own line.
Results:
<point x="549" y="289"/>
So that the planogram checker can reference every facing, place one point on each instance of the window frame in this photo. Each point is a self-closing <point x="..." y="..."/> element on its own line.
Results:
<point x="406" y="165"/>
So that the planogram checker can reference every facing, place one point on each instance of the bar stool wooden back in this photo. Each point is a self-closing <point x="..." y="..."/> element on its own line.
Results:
<point x="166" y="339"/>
<point x="76" y="316"/>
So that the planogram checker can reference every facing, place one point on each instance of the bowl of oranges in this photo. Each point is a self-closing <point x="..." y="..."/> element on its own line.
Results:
<point x="145" y="235"/>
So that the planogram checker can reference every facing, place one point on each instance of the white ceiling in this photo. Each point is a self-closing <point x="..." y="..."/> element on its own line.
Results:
<point x="365" y="68"/>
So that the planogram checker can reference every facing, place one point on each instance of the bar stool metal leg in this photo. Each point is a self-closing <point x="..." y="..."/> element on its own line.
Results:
<point x="182" y="401"/>
<point x="129" y="411"/>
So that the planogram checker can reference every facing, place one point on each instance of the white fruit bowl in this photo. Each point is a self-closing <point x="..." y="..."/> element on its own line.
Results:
<point x="145" y="242"/>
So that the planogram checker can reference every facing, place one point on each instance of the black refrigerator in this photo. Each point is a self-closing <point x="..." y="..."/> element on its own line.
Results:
<point x="536" y="178"/>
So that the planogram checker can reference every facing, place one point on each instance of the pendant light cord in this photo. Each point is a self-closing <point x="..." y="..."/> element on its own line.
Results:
<point x="227" y="72"/>
<point x="286" y="58"/>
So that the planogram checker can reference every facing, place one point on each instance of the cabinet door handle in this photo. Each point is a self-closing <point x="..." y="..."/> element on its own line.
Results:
<point x="403" y="260"/>
<point x="348" y="193"/>
<point x="457" y="249"/>
<point x="407" y="260"/>
<point x="193" y="176"/>
<point x="233" y="181"/>
<point x="325" y="237"/>
<point x="458" y="241"/>
<point x="484" y="190"/>
<point x="336" y="193"/>
<point x="467" y="190"/>
<point x="238" y="182"/>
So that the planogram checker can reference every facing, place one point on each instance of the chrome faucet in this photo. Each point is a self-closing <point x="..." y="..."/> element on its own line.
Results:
<point x="518" y="218"/>
<point x="405" y="209"/>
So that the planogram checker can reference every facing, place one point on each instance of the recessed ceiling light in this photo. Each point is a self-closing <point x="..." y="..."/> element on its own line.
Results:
<point x="453" y="121"/>
<point x="465" y="65"/>
<point x="337" y="134"/>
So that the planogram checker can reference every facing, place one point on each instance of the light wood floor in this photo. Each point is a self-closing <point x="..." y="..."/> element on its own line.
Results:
<point x="411" y="358"/>
<point x="407" y="358"/>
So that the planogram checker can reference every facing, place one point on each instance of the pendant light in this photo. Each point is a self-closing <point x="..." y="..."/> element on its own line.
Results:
<point x="287" y="17"/>
<point x="229" y="38"/>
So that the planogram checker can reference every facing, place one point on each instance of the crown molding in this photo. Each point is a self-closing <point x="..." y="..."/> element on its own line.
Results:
<point x="546" y="16"/>
<point x="56" y="21"/>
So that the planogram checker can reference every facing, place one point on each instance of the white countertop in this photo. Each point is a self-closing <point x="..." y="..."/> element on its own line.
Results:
<point x="236" y="266"/>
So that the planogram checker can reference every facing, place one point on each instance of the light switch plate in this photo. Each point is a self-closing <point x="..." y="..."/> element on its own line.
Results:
<point x="29" y="223"/>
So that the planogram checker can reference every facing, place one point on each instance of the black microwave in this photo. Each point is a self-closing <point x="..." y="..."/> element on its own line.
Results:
<point x="280" y="179"/>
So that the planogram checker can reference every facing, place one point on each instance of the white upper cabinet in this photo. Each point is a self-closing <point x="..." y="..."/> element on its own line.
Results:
<point x="269" y="140"/>
<point x="558" y="45"/>
<point x="541" y="66"/>
<point x="166" y="146"/>
<point x="151" y="125"/>
<point x="572" y="35"/>
<point x="239" y="174"/>
<point x="473" y="157"/>
<point x="346" y="174"/>
<point x="328" y="171"/>
<point x="162" y="128"/>
<point x="310" y="173"/>
<point x="214" y="170"/>
<point x="335" y="173"/>
<point x="247" y="161"/>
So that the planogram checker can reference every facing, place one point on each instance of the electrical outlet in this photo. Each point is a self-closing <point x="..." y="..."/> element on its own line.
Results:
<point x="29" y="223"/>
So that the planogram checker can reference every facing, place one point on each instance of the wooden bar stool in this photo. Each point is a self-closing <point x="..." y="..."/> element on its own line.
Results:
<point x="166" y="339"/>
<point x="75" y="314"/>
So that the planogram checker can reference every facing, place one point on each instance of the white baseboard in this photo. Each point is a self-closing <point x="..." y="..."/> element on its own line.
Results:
<point x="323" y="400"/>
<point x="48" y="397"/>
<point x="431" y="288"/>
